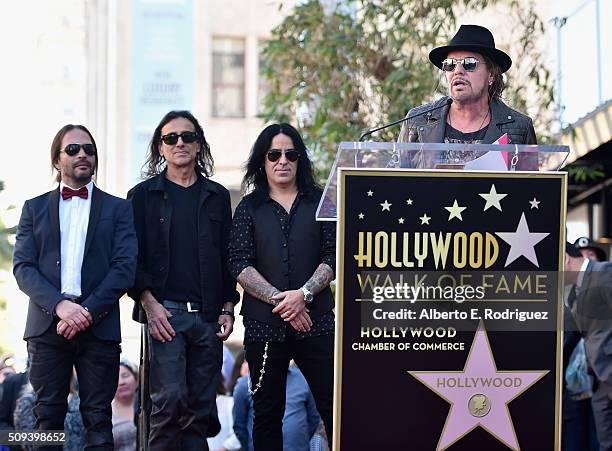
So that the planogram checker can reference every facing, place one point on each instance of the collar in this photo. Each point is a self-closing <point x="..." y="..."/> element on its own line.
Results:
<point x="159" y="182"/>
<point x="583" y="268"/>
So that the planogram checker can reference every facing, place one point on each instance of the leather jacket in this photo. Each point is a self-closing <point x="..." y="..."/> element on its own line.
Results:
<point x="430" y="127"/>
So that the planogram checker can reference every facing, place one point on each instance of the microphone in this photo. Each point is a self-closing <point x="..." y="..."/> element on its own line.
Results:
<point x="407" y="118"/>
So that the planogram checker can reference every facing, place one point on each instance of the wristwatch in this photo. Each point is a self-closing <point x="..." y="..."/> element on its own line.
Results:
<point x="308" y="297"/>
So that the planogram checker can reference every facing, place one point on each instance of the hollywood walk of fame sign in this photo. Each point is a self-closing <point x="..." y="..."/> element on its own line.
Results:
<point x="448" y="310"/>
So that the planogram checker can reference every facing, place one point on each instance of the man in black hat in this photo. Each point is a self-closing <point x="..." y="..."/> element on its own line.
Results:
<point x="590" y="249"/>
<point x="474" y="73"/>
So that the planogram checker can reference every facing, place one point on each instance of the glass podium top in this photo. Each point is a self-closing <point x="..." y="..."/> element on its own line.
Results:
<point x="472" y="157"/>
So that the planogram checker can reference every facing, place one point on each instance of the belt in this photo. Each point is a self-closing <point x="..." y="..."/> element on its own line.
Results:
<point x="188" y="306"/>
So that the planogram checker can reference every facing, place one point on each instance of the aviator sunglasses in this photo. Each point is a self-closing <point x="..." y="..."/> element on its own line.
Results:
<point x="275" y="154"/>
<point x="469" y="64"/>
<point x="187" y="137"/>
<point x="73" y="149"/>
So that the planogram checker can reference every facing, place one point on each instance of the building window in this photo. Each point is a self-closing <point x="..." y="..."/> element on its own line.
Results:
<point x="228" y="77"/>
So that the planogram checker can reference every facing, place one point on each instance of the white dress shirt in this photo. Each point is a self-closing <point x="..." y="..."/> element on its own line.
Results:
<point x="73" y="221"/>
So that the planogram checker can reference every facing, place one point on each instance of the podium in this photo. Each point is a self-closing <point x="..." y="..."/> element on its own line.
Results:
<point x="449" y="295"/>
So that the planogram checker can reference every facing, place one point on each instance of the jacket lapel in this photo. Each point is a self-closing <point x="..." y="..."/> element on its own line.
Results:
<point x="94" y="215"/>
<point x="500" y="115"/>
<point x="54" y="219"/>
<point x="433" y="131"/>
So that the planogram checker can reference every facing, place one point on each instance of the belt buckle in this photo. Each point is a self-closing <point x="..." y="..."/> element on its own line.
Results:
<point x="191" y="310"/>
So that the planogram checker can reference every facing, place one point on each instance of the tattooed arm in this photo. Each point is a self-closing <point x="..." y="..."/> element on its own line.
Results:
<point x="320" y="279"/>
<point x="254" y="283"/>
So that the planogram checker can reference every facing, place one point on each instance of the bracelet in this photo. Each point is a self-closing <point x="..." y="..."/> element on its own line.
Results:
<point x="228" y="313"/>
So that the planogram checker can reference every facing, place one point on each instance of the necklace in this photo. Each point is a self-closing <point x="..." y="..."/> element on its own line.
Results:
<point x="450" y="122"/>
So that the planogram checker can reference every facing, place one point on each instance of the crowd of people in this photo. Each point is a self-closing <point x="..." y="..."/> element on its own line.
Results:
<point x="174" y="246"/>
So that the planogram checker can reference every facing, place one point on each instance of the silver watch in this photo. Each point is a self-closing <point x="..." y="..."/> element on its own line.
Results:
<point x="308" y="297"/>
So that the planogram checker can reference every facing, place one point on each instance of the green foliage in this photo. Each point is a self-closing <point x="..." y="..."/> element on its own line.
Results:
<point x="581" y="174"/>
<point x="364" y="63"/>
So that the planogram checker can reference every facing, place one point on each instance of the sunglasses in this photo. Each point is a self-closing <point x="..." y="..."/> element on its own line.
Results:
<point x="187" y="137"/>
<point x="275" y="154"/>
<point x="73" y="149"/>
<point x="469" y="64"/>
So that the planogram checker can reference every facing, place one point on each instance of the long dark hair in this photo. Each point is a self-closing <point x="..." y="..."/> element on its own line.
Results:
<point x="56" y="146"/>
<point x="156" y="162"/>
<point x="497" y="87"/>
<point x="255" y="177"/>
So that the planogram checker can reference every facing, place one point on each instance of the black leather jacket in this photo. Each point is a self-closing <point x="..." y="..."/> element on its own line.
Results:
<point x="430" y="127"/>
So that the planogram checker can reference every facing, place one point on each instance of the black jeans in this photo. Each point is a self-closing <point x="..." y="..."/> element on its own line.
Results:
<point x="315" y="358"/>
<point x="96" y="361"/>
<point x="183" y="378"/>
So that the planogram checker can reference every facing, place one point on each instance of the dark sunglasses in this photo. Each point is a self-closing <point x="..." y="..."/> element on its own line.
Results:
<point x="275" y="154"/>
<point x="187" y="137"/>
<point x="469" y="64"/>
<point x="73" y="149"/>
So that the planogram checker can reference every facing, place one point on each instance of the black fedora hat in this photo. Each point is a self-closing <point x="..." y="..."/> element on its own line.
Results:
<point x="586" y="243"/>
<point x="475" y="38"/>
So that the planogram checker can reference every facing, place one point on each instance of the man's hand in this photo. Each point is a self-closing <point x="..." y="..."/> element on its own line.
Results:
<point x="65" y="330"/>
<point x="291" y="304"/>
<point x="157" y="318"/>
<point x="302" y="322"/>
<point x="74" y="315"/>
<point x="227" y="326"/>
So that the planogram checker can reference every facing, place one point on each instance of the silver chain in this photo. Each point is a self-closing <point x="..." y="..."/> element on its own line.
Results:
<point x="262" y="371"/>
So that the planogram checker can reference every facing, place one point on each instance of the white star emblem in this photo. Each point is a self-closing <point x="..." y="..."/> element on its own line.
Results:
<point x="409" y="202"/>
<point x="370" y="193"/>
<point x="492" y="198"/>
<point x="386" y="206"/>
<point x="535" y="204"/>
<point x="400" y="220"/>
<point x="425" y="219"/>
<point x="455" y="211"/>
<point x="361" y="215"/>
<point x="522" y="242"/>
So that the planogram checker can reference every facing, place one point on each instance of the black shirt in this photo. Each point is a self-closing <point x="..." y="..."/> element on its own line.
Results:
<point x="242" y="242"/>
<point x="184" y="271"/>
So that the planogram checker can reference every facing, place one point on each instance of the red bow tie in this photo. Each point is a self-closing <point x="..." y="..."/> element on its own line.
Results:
<point x="69" y="193"/>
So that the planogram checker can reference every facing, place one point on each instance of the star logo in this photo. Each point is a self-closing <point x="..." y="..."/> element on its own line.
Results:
<point x="492" y="198"/>
<point x="478" y="395"/>
<point x="455" y="211"/>
<point x="522" y="242"/>
<point x="409" y="202"/>
<point x="535" y="204"/>
<point x="425" y="219"/>
<point x="400" y="220"/>
<point x="386" y="206"/>
<point x="361" y="215"/>
<point x="370" y="193"/>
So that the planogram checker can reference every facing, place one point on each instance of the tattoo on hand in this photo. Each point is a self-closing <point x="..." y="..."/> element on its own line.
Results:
<point x="255" y="284"/>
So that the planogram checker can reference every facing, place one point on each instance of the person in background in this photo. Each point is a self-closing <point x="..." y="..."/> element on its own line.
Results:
<point x="300" y="421"/>
<point x="590" y="301"/>
<point x="590" y="249"/>
<point x="225" y="440"/>
<point x="25" y="420"/>
<point x="124" y="428"/>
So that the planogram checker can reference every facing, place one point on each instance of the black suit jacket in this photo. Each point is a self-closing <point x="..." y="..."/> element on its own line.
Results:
<point x="109" y="261"/>
<point x="592" y="311"/>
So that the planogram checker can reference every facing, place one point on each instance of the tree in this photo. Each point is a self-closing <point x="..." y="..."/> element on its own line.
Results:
<point x="343" y="69"/>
